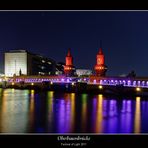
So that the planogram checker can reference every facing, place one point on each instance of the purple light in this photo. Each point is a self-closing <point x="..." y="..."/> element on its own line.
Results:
<point x="129" y="82"/>
<point x="94" y="81"/>
<point x="62" y="80"/>
<point x="67" y="80"/>
<point x="134" y="83"/>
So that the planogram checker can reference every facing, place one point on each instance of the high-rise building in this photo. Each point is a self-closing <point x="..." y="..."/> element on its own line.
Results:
<point x="22" y="62"/>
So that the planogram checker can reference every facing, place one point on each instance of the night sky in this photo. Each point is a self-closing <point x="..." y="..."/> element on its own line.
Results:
<point x="124" y="37"/>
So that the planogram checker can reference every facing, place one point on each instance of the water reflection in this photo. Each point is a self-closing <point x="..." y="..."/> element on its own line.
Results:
<point x="84" y="112"/>
<point x="50" y="99"/>
<point x="126" y="116"/>
<point x="137" y="125"/>
<point x="99" y="114"/>
<point x="65" y="115"/>
<point x="31" y="111"/>
<point x="14" y="111"/>
<point x="112" y="117"/>
<point x="72" y="121"/>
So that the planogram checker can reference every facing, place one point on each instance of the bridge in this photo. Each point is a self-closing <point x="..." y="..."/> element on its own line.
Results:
<point x="141" y="82"/>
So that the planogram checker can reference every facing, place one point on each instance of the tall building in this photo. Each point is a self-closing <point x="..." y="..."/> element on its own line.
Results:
<point x="22" y="62"/>
<point x="69" y="67"/>
<point x="100" y="67"/>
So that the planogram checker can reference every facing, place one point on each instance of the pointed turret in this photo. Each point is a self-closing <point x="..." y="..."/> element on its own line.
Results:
<point x="69" y="53"/>
<point x="69" y="68"/>
<point x="100" y="67"/>
<point x="100" y="51"/>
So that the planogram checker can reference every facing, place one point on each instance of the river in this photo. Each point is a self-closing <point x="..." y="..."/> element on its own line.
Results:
<point x="31" y="111"/>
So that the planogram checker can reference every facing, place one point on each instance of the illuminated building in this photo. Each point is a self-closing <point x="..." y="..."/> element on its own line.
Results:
<point x="22" y="62"/>
<point x="83" y="72"/>
<point x="69" y="68"/>
<point x="100" y="67"/>
<point x="60" y="68"/>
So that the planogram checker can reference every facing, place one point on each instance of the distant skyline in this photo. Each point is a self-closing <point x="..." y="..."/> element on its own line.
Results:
<point x="50" y="33"/>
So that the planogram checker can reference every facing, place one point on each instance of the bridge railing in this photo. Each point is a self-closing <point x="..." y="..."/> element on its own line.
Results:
<point x="126" y="83"/>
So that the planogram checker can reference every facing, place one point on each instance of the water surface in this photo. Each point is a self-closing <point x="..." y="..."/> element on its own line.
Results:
<point x="30" y="111"/>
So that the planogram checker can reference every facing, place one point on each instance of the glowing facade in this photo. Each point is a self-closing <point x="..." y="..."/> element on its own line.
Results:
<point x="69" y="68"/>
<point x="100" y="67"/>
<point x="83" y="72"/>
<point x="22" y="62"/>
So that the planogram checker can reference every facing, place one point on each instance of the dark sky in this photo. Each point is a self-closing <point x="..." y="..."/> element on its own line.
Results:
<point x="124" y="37"/>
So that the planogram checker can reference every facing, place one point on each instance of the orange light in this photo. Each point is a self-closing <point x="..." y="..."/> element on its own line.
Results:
<point x="32" y="84"/>
<point x="12" y="83"/>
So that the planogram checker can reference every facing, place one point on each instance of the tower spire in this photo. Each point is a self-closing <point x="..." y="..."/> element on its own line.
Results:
<point x="69" y="67"/>
<point x="68" y="54"/>
<point x="100" y="66"/>
<point x="100" y="50"/>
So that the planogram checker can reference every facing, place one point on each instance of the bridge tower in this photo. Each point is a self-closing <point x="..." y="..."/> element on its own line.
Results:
<point x="69" y="67"/>
<point x="100" y="67"/>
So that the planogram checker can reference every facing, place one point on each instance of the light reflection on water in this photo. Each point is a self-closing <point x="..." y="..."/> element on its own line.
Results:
<point x="137" y="125"/>
<point x="23" y="111"/>
<point x="14" y="111"/>
<point x="84" y="112"/>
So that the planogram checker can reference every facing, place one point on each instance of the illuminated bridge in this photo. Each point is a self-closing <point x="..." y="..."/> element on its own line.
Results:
<point x="92" y="80"/>
<point x="122" y="81"/>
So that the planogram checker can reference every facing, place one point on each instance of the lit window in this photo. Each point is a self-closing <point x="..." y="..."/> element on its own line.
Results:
<point x="43" y="61"/>
<point x="42" y="67"/>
